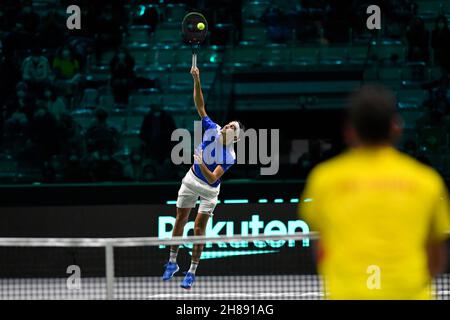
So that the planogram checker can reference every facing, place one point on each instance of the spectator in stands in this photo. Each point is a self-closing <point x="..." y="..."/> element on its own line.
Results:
<point x="36" y="71"/>
<point x="82" y="47"/>
<point x="100" y="136"/>
<point x="156" y="132"/>
<point x="18" y="112"/>
<point x="67" y="71"/>
<point x="65" y="65"/>
<point x="22" y="102"/>
<point x="54" y="103"/>
<point x="122" y="75"/>
<point x="440" y="42"/>
<point x="417" y="37"/>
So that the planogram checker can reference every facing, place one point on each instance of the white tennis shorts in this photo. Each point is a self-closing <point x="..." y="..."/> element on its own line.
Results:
<point x="193" y="188"/>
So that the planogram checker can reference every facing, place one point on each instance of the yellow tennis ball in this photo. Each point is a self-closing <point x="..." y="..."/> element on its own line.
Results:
<point x="200" y="26"/>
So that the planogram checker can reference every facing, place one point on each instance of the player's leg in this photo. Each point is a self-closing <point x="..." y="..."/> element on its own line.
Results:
<point x="185" y="202"/>
<point x="199" y="230"/>
<point x="205" y="211"/>
<point x="180" y="221"/>
<point x="178" y="228"/>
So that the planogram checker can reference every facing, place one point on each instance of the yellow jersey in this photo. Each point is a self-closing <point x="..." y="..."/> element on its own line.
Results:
<point x="67" y="68"/>
<point x="375" y="209"/>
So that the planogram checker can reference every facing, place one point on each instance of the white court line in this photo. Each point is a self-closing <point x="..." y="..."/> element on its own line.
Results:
<point x="239" y="295"/>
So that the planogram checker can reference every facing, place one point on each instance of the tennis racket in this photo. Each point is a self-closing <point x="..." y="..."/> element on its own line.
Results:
<point x="194" y="30"/>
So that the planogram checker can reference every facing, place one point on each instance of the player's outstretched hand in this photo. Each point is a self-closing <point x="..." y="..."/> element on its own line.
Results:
<point x="195" y="73"/>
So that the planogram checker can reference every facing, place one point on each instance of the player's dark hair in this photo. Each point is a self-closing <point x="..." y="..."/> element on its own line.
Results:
<point x="371" y="111"/>
<point x="240" y="125"/>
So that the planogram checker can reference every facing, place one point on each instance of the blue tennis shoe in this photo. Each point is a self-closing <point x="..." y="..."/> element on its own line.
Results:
<point x="171" y="269"/>
<point x="188" y="281"/>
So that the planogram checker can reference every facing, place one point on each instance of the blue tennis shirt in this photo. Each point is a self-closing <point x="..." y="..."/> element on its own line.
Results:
<point x="214" y="152"/>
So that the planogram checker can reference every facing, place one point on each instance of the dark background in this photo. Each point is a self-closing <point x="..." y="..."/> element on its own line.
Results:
<point x="99" y="104"/>
<point x="138" y="221"/>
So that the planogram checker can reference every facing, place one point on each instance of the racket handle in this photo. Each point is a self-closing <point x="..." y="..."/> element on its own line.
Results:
<point x="194" y="60"/>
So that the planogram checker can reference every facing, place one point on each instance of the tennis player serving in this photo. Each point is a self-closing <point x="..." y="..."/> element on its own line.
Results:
<point x="213" y="157"/>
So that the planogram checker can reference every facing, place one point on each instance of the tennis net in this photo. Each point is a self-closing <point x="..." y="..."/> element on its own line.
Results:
<point x="240" y="267"/>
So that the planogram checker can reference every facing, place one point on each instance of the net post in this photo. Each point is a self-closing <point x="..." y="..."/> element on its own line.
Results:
<point x="109" y="257"/>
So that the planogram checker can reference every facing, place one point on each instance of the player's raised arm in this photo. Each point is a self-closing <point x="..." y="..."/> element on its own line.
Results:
<point x="198" y="94"/>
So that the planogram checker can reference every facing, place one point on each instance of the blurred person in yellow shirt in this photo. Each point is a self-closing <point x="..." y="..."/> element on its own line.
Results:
<point x="382" y="216"/>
